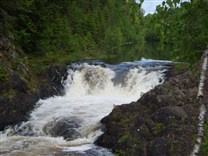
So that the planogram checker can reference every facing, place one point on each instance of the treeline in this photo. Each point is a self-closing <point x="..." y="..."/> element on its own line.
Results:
<point x="184" y="26"/>
<point x="99" y="27"/>
<point x="71" y="26"/>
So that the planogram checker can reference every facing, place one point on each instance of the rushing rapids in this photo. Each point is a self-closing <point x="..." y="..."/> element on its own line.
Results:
<point x="69" y="124"/>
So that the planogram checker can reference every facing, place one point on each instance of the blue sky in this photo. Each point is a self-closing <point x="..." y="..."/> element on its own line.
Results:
<point x="150" y="5"/>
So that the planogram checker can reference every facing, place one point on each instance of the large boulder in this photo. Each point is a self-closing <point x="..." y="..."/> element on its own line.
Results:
<point x="16" y="109"/>
<point x="65" y="127"/>
<point x="162" y="122"/>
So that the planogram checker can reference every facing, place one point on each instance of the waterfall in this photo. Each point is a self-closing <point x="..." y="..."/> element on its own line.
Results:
<point x="71" y="123"/>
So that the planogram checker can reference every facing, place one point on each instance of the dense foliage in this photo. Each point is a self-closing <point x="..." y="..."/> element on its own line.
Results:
<point x="182" y="25"/>
<point x="72" y="26"/>
<point x="78" y="27"/>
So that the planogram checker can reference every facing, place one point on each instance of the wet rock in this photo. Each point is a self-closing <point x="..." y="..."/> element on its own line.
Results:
<point x="3" y="100"/>
<point x="165" y="114"/>
<point x="157" y="147"/>
<point x="19" y="98"/>
<point x="166" y="100"/>
<point x="66" y="127"/>
<point x="17" y="95"/>
<point x="53" y="85"/>
<point x="145" y="131"/>
<point x="17" y="83"/>
<point x="54" y="82"/>
<point x="18" y="101"/>
<point x="162" y="122"/>
<point x="12" y="53"/>
<point x="126" y="125"/>
<point x="5" y="43"/>
<point x="2" y="86"/>
<point x="19" y="88"/>
<point x="15" y="110"/>
<point x="179" y="112"/>
<point x="45" y="91"/>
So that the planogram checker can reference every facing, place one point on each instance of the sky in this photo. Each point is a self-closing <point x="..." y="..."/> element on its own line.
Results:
<point x="150" y="5"/>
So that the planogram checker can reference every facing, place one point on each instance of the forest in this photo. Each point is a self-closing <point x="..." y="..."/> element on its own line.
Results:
<point x="101" y="27"/>
<point x="72" y="27"/>
<point x="183" y="25"/>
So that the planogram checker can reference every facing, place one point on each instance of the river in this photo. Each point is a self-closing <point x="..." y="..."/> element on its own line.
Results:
<point x="68" y="125"/>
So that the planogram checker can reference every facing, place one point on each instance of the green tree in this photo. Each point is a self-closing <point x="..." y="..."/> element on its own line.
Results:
<point x="183" y="25"/>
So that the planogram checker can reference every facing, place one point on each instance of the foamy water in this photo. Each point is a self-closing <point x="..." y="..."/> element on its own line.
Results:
<point x="91" y="93"/>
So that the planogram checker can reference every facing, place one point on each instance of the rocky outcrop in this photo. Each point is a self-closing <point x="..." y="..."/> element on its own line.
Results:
<point x="66" y="127"/>
<point x="162" y="122"/>
<point x="52" y="81"/>
<point x="20" y="88"/>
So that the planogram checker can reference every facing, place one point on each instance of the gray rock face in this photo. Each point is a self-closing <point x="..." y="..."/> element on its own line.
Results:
<point x="162" y="122"/>
<point x="179" y="112"/>
<point x="19" y="88"/>
<point x="5" y="43"/>
<point x="66" y="127"/>
<point x="165" y="114"/>
<point x="53" y="85"/>
<point x="17" y="83"/>
<point x="157" y="147"/>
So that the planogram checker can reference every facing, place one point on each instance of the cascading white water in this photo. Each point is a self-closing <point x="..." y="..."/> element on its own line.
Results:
<point x="91" y="93"/>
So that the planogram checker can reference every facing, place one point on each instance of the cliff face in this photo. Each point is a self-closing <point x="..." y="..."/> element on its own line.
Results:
<point x="162" y="122"/>
<point x="20" y="88"/>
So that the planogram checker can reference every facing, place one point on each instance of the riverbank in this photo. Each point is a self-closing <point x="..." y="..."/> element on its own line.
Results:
<point x="20" y="86"/>
<point x="162" y="122"/>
